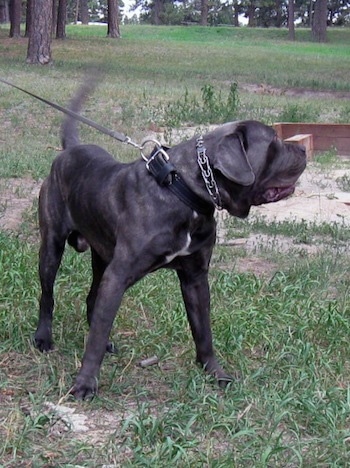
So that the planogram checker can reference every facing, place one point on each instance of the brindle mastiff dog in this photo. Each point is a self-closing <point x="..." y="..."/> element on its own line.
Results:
<point x="134" y="224"/>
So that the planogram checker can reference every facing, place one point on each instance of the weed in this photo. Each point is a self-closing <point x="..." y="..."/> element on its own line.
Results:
<point x="189" y="110"/>
<point x="294" y="112"/>
<point x="343" y="182"/>
<point x="344" y="115"/>
<point x="326" y="158"/>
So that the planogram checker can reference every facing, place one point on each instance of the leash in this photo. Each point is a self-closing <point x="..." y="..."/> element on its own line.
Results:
<point x="157" y="163"/>
<point x="114" y="134"/>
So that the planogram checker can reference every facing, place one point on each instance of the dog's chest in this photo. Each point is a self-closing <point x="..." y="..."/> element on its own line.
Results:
<point x="181" y="252"/>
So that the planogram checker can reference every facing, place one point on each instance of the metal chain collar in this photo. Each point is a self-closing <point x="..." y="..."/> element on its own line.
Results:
<point x="207" y="173"/>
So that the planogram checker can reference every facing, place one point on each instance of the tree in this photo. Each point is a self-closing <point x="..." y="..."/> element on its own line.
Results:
<point x="319" y="23"/>
<point x="54" y="14"/>
<point x="29" y="22"/>
<point x="61" y="19"/>
<point x="236" y="12"/>
<point x="4" y="11"/>
<point x="84" y="12"/>
<point x="158" y="10"/>
<point x="113" y="19"/>
<point x="39" y="44"/>
<point x="204" y="12"/>
<point x="279" y="14"/>
<point x="291" y="27"/>
<point x="76" y="11"/>
<point x="15" y="18"/>
<point x="251" y="13"/>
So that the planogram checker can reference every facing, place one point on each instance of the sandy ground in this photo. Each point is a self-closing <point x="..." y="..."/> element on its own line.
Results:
<point x="317" y="198"/>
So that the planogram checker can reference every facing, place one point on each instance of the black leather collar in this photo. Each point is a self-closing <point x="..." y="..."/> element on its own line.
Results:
<point x="167" y="176"/>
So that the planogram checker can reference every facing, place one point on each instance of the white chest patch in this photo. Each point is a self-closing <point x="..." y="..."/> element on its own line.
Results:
<point x="180" y="253"/>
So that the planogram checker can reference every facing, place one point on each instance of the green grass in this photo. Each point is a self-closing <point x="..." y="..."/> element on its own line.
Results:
<point x="285" y="335"/>
<point x="284" y="330"/>
<point x="151" y="69"/>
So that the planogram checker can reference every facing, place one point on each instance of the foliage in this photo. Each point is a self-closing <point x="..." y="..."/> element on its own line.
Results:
<point x="188" y="110"/>
<point x="97" y="10"/>
<point x="294" y="112"/>
<point x="265" y="13"/>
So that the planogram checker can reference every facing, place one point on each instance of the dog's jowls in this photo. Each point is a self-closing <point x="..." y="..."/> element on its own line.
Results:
<point x="134" y="226"/>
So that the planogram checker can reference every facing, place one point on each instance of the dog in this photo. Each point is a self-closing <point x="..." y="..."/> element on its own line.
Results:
<point x="135" y="223"/>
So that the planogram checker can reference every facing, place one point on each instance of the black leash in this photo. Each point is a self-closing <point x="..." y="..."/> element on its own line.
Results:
<point x="157" y="164"/>
<point x="116" y="135"/>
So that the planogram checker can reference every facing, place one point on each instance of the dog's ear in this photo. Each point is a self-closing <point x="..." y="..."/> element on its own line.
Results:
<point x="231" y="158"/>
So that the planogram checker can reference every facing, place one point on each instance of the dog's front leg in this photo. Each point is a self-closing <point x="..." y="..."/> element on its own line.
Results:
<point x="107" y="302"/>
<point x="196" y="295"/>
<point x="98" y="268"/>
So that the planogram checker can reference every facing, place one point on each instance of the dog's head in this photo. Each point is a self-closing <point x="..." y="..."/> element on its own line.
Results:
<point x="252" y="165"/>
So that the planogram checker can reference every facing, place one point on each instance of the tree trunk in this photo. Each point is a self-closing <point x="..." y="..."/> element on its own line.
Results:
<point x="311" y="13"/>
<point x="61" y="19"/>
<point x="15" y="18"/>
<point x="4" y="12"/>
<point x="291" y="27"/>
<point x="54" y="15"/>
<point x="113" y="19"/>
<point x="76" y="12"/>
<point x="158" y="10"/>
<point x="204" y="12"/>
<point x="279" y="16"/>
<point x="251" y="14"/>
<point x="29" y="20"/>
<point x="39" y="44"/>
<point x="84" y="12"/>
<point x="235" y="14"/>
<point x="319" y="24"/>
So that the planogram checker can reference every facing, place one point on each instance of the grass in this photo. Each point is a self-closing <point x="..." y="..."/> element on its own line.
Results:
<point x="284" y="329"/>
<point x="140" y="84"/>
<point x="285" y="335"/>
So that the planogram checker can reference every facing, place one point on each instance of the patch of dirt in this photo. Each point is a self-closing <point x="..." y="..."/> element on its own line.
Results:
<point x="317" y="199"/>
<point x="264" y="89"/>
<point x="16" y="197"/>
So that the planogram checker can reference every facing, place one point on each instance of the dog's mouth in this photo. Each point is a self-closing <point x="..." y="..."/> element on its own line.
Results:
<point x="273" y="194"/>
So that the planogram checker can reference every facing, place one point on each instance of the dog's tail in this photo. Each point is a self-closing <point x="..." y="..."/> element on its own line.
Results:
<point x="69" y="128"/>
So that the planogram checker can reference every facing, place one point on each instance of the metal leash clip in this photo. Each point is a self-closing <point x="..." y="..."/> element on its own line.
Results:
<point x="146" y="142"/>
<point x="158" y="163"/>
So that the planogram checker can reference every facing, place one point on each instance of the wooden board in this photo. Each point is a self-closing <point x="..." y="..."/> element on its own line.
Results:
<point x="325" y="136"/>
<point x="305" y="140"/>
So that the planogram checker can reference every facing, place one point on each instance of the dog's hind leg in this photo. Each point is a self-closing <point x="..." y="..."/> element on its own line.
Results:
<point x="98" y="268"/>
<point x="50" y="256"/>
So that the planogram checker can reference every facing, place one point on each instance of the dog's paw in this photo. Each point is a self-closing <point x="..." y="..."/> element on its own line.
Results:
<point x="225" y="380"/>
<point x="43" y="344"/>
<point x="212" y="367"/>
<point x="111" y="348"/>
<point x="84" y="388"/>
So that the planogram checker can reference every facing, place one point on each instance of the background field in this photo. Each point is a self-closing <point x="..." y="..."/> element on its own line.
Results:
<point x="281" y="315"/>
